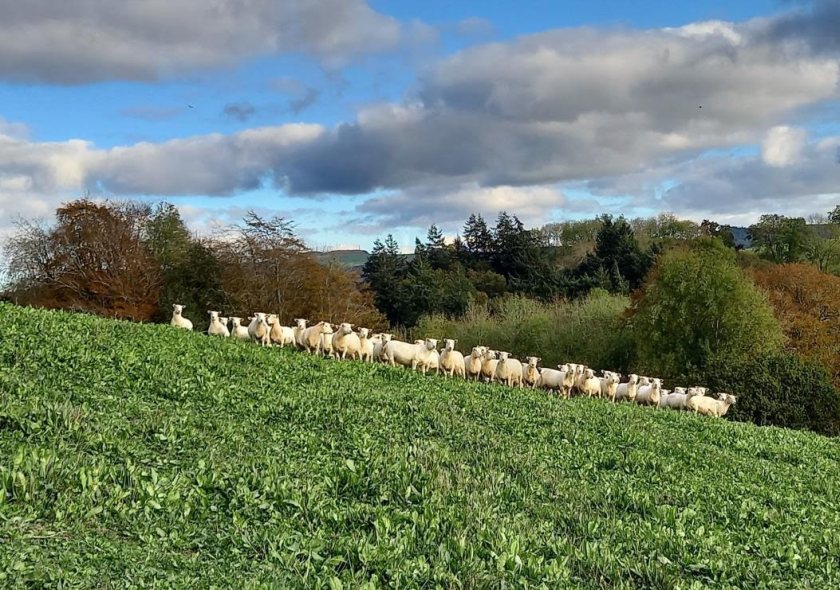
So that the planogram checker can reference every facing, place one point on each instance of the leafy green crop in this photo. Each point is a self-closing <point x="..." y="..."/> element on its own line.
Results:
<point x="144" y="456"/>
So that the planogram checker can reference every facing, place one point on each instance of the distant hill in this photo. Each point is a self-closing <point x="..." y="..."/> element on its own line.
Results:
<point x="344" y="258"/>
<point x="348" y="258"/>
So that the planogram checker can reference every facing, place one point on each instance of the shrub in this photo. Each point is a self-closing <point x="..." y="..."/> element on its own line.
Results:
<point x="781" y="389"/>
<point x="698" y="305"/>
<point x="807" y="304"/>
<point x="586" y="330"/>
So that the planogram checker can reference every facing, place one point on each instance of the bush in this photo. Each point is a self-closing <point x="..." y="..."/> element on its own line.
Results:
<point x="586" y="330"/>
<point x="698" y="305"/>
<point x="782" y="389"/>
<point x="807" y="304"/>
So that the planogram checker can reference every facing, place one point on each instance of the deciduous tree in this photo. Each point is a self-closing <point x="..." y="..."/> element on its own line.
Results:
<point x="696" y="306"/>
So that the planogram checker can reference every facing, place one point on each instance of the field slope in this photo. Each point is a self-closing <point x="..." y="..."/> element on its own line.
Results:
<point x="141" y="456"/>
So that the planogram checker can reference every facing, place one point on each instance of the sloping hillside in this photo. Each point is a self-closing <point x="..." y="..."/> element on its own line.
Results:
<point x="139" y="455"/>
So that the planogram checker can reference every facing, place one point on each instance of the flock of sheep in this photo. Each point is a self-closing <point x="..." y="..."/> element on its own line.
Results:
<point x="341" y="341"/>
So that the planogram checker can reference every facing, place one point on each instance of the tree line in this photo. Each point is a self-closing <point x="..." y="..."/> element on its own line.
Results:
<point x="564" y="260"/>
<point x="131" y="260"/>
<point x="568" y="259"/>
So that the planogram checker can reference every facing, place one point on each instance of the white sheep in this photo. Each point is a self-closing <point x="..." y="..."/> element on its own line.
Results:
<point x="426" y="355"/>
<point x="627" y="390"/>
<point x="313" y="337"/>
<point x="239" y="331"/>
<point x="397" y="352"/>
<point x="678" y="399"/>
<point x="509" y="370"/>
<point x="709" y="406"/>
<point x="278" y="334"/>
<point x="327" y="342"/>
<point x="580" y="376"/>
<point x="258" y="329"/>
<point x="648" y="395"/>
<point x="560" y="380"/>
<point x="609" y="384"/>
<point x="346" y="342"/>
<point x="488" y="365"/>
<point x="379" y="346"/>
<point x="452" y="361"/>
<point x="474" y="361"/>
<point x="531" y="371"/>
<point x="434" y="361"/>
<point x="591" y="385"/>
<point x="415" y="355"/>
<point x="217" y="328"/>
<point x="366" y="344"/>
<point x="178" y="320"/>
<point x="300" y="327"/>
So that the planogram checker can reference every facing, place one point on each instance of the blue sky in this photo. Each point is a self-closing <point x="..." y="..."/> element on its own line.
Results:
<point x="360" y="119"/>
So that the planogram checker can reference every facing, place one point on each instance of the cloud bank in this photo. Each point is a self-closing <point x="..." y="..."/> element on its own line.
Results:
<point x="81" y="41"/>
<point x="503" y="125"/>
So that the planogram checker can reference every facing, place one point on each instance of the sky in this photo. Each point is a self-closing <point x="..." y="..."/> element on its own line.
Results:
<point x="358" y="119"/>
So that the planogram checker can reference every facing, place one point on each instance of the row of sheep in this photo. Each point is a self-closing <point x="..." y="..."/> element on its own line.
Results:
<point x="342" y="342"/>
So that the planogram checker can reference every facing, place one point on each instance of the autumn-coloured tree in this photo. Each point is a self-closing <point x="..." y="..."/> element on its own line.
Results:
<point x="92" y="259"/>
<point x="807" y="304"/>
<point x="266" y="267"/>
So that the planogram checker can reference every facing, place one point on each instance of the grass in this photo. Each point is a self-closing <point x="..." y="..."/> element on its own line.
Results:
<point x="141" y="456"/>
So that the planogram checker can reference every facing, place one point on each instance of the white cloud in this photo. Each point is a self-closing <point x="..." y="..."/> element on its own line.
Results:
<point x="79" y="41"/>
<point x="747" y="185"/>
<point x="448" y="206"/>
<point x="712" y="28"/>
<point x="782" y="146"/>
<point x="13" y="130"/>
<point x="501" y="125"/>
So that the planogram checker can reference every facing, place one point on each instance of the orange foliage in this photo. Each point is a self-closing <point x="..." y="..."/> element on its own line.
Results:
<point x="807" y="304"/>
<point x="93" y="259"/>
<point x="265" y="267"/>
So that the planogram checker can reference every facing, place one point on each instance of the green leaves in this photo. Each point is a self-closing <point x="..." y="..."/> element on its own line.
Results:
<point x="163" y="458"/>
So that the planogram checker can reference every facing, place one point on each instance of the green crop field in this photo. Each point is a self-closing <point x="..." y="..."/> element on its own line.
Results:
<point x="144" y="456"/>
